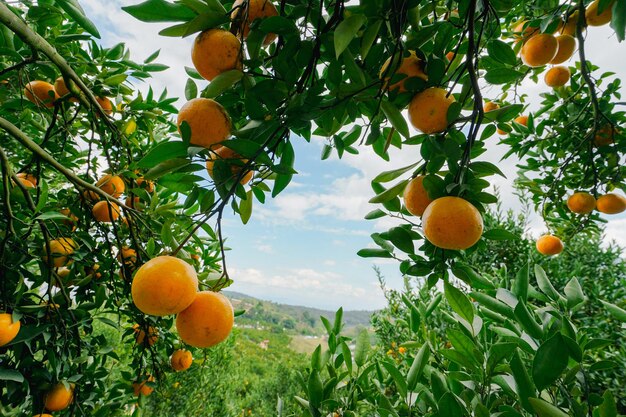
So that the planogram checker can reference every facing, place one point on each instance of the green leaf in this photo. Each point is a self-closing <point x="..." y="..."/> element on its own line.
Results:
<point x="545" y="409"/>
<point x="527" y="321"/>
<point x="387" y="176"/>
<point x="520" y="286"/>
<point x="504" y="114"/>
<point x="362" y="347"/>
<point x="162" y="152"/>
<point x="11" y="375"/>
<point x="544" y="283"/>
<point x="468" y="275"/>
<point x="395" y="118"/>
<point x="160" y="11"/>
<point x="550" y="361"/>
<point x="315" y="388"/>
<point x="166" y="167"/>
<point x="459" y="302"/>
<point x="374" y="253"/>
<point x="116" y="79"/>
<point x="76" y="12"/>
<point x="346" y="31"/>
<point x="525" y="387"/>
<point x="618" y="21"/>
<point x="369" y="37"/>
<point x="375" y="214"/>
<point x="500" y="234"/>
<point x="617" y="312"/>
<point x="417" y="367"/>
<point x="483" y="168"/>
<point x="608" y="408"/>
<point x="389" y="193"/>
<point x="191" y="90"/>
<point x="501" y="51"/>
<point x="222" y="82"/>
<point x="449" y="406"/>
<point x="245" y="208"/>
<point x="402" y="239"/>
<point x="574" y="293"/>
<point x="397" y="377"/>
<point x="501" y="75"/>
<point x="278" y="24"/>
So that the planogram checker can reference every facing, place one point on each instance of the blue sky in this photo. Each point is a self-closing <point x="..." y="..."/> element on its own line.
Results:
<point x="301" y="247"/>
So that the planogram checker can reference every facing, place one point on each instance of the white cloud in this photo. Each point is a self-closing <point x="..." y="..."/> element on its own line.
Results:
<point x="265" y="248"/>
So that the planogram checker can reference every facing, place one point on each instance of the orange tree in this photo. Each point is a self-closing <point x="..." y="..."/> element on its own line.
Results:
<point x="77" y="137"/>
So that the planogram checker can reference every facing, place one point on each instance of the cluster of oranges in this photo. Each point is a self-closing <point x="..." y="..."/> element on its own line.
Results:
<point x="42" y="93"/>
<point x="214" y="52"/>
<point x="167" y="285"/>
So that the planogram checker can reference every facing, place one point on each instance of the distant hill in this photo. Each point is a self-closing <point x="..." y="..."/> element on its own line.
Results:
<point x="293" y="319"/>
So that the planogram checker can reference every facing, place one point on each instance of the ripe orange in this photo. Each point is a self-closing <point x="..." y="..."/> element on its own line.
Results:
<point x="207" y="321"/>
<point x="62" y="273"/>
<point x="452" y="223"/>
<point x="605" y="136"/>
<point x="144" y="183"/>
<point x="557" y="76"/>
<point x="8" y="328"/>
<point x="72" y="219"/>
<point x="598" y="19"/>
<point x="565" y="50"/>
<point x="215" y="51"/>
<point x="207" y="119"/>
<point x="224" y="153"/>
<point x="41" y="93"/>
<point x="549" y="245"/>
<point x="181" y="360"/>
<point x="127" y="255"/>
<point x="43" y="415"/>
<point x="135" y="202"/>
<point x="581" y="203"/>
<point x="539" y="50"/>
<point x="60" y="249"/>
<point x="490" y="106"/>
<point x="523" y="120"/>
<point x="25" y="183"/>
<point x="62" y="90"/>
<point x="142" y="388"/>
<point x="523" y="34"/>
<point x="416" y="197"/>
<point x="106" y="212"/>
<point x="164" y="285"/>
<point x="257" y="9"/>
<point x="568" y="27"/>
<point x="106" y="104"/>
<point x="428" y="110"/>
<point x="411" y="66"/>
<point x="611" y="203"/>
<point x="450" y="56"/>
<point x="112" y="185"/>
<point x="140" y="335"/>
<point x="28" y="177"/>
<point x="59" y="397"/>
<point x="93" y="271"/>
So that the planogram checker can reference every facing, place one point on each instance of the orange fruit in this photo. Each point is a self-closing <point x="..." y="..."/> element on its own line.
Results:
<point x="410" y="66"/>
<point x="428" y="110"/>
<point x="144" y="183"/>
<point x="164" y="285"/>
<point x="605" y="136"/>
<point x="549" y="245"/>
<point x="452" y="223"/>
<point x="224" y="153"/>
<point x="8" y="328"/>
<point x="62" y="274"/>
<point x="416" y="197"/>
<point x="611" y="203"/>
<point x="523" y="34"/>
<point x="565" y="50"/>
<point x="28" y="177"/>
<point x="41" y="93"/>
<point x="142" y="388"/>
<point x="257" y="9"/>
<point x="89" y="195"/>
<point x="112" y="185"/>
<point x="43" y="415"/>
<point x="181" y="360"/>
<point x="501" y="132"/>
<point x="581" y="203"/>
<point x="523" y="120"/>
<point x="539" y="50"/>
<point x="568" y="27"/>
<point x="93" y="271"/>
<point x="106" y="212"/>
<point x="135" y="202"/>
<point x="106" y="104"/>
<point x="450" y="56"/>
<point x="557" y="76"/>
<point x="25" y="183"/>
<point x="594" y="18"/>
<point x="71" y="220"/>
<point x="60" y="249"/>
<point x="207" y="119"/>
<point x="140" y="335"/>
<point x="59" y="397"/>
<point x="490" y="106"/>
<point x="207" y="321"/>
<point x="215" y="51"/>
<point x="127" y="255"/>
<point x="62" y="90"/>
